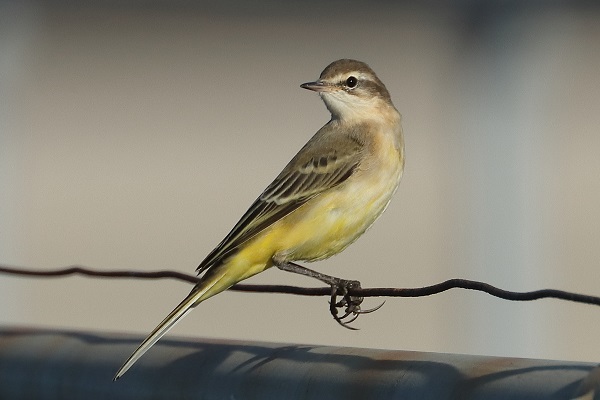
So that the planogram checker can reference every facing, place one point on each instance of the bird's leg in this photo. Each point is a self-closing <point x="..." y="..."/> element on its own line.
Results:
<point x="339" y="287"/>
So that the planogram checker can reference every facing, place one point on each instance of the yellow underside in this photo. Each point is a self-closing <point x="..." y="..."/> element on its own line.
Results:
<point x="313" y="232"/>
<point x="319" y="229"/>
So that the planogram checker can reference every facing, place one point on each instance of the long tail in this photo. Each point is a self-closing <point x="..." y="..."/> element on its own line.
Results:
<point x="212" y="285"/>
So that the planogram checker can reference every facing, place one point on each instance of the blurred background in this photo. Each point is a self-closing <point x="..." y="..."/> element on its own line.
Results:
<point x="133" y="135"/>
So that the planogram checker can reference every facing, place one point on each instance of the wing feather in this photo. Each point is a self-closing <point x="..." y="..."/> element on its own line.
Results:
<point x="312" y="171"/>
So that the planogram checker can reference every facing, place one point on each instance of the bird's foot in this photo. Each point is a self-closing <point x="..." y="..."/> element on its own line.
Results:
<point x="350" y="304"/>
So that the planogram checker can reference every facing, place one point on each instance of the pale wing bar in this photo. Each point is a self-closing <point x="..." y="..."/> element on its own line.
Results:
<point x="285" y="194"/>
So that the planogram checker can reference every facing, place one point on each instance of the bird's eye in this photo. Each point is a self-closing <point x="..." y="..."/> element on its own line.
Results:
<point x="351" y="82"/>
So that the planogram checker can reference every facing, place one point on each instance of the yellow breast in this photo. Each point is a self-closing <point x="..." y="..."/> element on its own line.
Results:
<point x="328" y="223"/>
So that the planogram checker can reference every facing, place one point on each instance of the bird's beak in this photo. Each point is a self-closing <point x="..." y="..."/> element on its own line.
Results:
<point x="317" y="86"/>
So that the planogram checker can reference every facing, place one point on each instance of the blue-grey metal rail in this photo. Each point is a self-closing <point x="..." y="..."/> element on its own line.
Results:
<point x="47" y="364"/>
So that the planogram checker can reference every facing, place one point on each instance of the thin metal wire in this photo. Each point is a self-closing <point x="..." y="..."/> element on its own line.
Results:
<point x="324" y="291"/>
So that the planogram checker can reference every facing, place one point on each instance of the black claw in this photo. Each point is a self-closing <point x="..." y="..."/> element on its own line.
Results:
<point x="370" y="310"/>
<point x="340" y="320"/>
<point x="349" y="304"/>
<point x="345" y="324"/>
<point x="346" y="314"/>
<point x="351" y="320"/>
<point x="339" y="287"/>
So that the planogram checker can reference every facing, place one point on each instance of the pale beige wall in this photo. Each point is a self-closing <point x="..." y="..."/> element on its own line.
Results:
<point x="134" y="137"/>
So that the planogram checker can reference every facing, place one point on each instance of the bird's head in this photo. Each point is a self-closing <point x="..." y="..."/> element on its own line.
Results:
<point x="351" y="90"/>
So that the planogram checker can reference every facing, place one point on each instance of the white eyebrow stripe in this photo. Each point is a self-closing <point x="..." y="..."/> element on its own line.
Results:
<point x="357" y="74"/>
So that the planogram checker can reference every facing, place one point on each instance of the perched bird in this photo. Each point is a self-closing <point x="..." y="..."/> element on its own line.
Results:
<point x="328" y="195"/>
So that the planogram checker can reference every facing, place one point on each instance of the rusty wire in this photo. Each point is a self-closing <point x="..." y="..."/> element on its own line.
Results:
<point x="317" y="291"/>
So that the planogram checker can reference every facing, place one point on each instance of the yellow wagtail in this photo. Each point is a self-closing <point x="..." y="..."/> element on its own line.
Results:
<point x="324" y="199"/>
